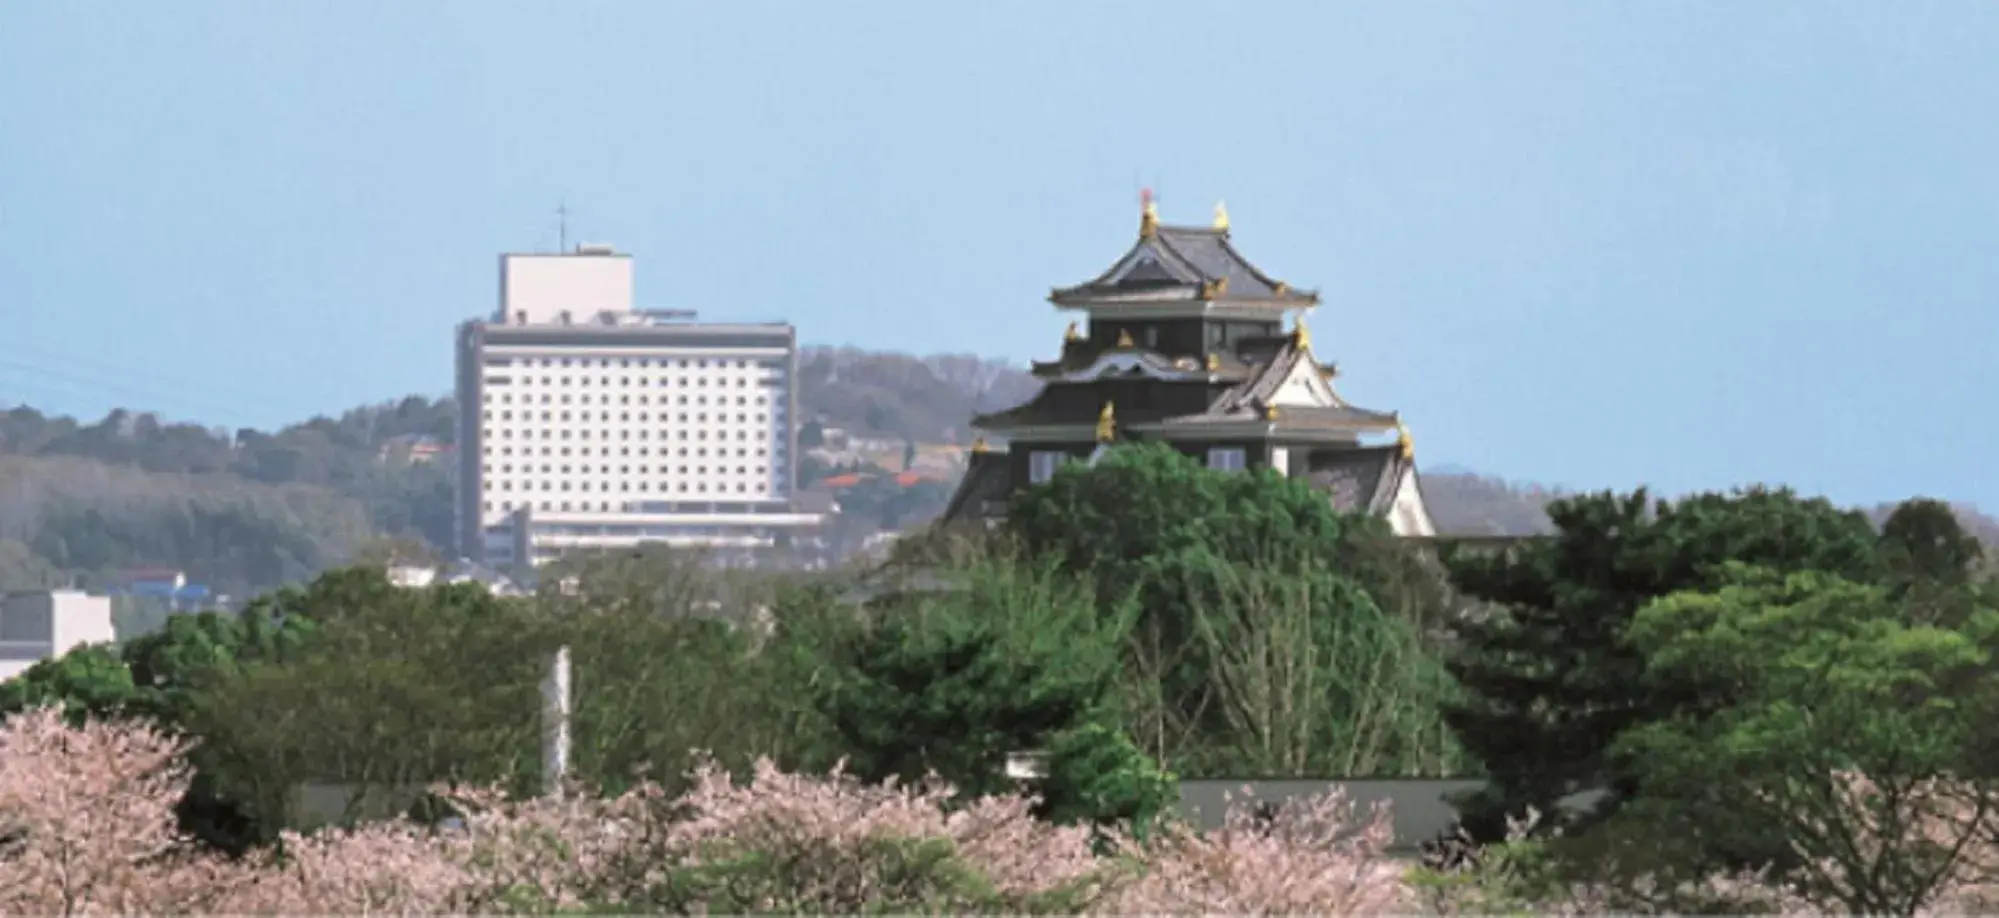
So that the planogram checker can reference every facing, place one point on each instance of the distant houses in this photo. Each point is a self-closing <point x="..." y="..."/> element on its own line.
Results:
<point x="414" y="449"/>
<point x="909" y="463"/>
<point x="419" y="576"/>
<point x="847" y="480"/>
<point x="169" y="586"/>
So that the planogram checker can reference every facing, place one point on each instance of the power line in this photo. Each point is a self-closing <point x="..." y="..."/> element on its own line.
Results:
<point x="71" y="380"/>
<point x="43" y="350"/>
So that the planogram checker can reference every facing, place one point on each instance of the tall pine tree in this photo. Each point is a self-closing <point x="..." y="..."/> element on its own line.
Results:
<point x="1550" y="681"/>
<point x="1924" y="546"/>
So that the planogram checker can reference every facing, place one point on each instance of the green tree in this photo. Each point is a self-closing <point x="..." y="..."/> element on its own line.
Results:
<point x="653" y="694"/>
<point x="1011" y="660"/>
<point x="160" y="677"/>
<point x="1096" y="774"/>
<point x="190" y="656"/>
<point x="1309" y="676"/>
<point x="86" y="682"/>
<point x="1205" y="555"/>
<point x="191" y="653"/>
<point x="1141" y="507"/>
<point x="673" y="658"/>
<point x="398" y="688"/>
<point x="1923" y="543"/>
<point x="1848" y="730"/>
<point x="1550" y="681"/>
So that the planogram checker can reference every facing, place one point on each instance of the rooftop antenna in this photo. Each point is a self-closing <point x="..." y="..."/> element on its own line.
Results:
<point x="562" y="227"/>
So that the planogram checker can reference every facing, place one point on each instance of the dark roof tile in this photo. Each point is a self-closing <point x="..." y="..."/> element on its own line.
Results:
<point x="1185" y="257"/>
<point x="1359" y="480"/>
<point x="986" y="479"/>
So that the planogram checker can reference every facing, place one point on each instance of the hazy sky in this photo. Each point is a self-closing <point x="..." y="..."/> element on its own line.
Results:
<point x="1590" y="244"/>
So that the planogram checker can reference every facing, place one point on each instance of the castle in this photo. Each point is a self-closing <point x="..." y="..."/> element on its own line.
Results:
<point x="1183" y="341"/>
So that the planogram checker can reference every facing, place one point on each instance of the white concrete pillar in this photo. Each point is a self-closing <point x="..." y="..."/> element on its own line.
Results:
<point x="555" y="711"/>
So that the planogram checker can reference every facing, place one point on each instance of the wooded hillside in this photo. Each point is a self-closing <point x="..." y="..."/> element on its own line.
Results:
<point x="247" y="510"/>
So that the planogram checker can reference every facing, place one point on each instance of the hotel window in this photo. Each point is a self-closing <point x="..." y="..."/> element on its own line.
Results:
<point x="1041" y="465"/>
<point x="1226" y="458"/>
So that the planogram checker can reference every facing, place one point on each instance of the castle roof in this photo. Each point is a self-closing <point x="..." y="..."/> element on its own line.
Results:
<point x="1254" y="392"/>
<point x="1078" y="358"/>
<point x="1170" y="263"/>
<point x="1361" y="480"/>
<point x="986" y="479"/>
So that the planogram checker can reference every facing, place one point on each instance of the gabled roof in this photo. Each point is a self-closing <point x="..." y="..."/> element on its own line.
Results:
<point x="1360" y="480"/>
<point x="986" y="478"/>
<point x="1137" y="362"/>
<point x="1183" y="263"/>
<point x="1344" y="420"/>
<point x="1250" y="400"/>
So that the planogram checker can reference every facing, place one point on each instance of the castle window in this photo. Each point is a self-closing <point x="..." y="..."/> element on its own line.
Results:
<point x="1226" y="458"/>
<point x="1041" y="465"/>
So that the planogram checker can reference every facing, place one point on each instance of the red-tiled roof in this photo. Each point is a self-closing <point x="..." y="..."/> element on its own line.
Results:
<point x="850" y="479"/>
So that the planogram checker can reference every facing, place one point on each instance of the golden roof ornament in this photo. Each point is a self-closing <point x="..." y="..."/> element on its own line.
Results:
<point x="1124" y="338"/>
<point x="1301" y="336"/>
<point x="1222" y="216"/>
<point x="1281" y="289"/>
<point x="1148" y="215"/>
<point x="979" y="445"/>
<point x="1215" y="289"/>
<point x="1214" y="362"/>
<point x="1270" y="412"/>
<point x="1107" y="423"/>
<point x="1404" y="443"/>
<point x="1073" y="334"/>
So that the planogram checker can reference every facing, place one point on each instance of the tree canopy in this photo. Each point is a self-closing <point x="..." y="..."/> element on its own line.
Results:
<point x="162" y="677"/>
<point x="1011" y="659"/>
<point x="1837" y="723"/>
<point x="1550" y="680"/>
<point x="1259" y="606"/>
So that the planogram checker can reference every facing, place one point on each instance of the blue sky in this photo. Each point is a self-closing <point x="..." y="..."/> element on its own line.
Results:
<point x="1588" y="244"/>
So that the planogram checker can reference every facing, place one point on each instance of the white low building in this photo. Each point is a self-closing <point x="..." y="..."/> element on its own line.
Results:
<point x="36" y="626"/>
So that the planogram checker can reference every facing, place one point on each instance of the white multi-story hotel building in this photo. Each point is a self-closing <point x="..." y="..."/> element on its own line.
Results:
<point x="586" y="423"/>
